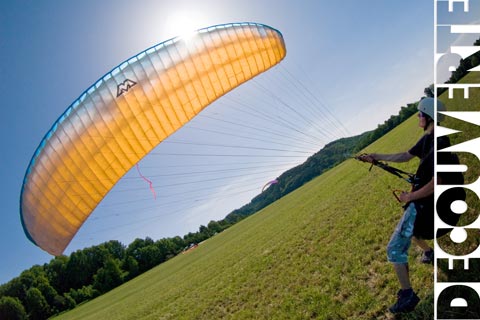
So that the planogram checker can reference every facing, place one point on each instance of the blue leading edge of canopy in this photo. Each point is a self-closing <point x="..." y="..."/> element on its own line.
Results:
<point x="97" y="84"/>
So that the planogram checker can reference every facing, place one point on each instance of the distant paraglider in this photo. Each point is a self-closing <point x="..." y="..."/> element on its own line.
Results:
<point x="127" y="113"/>
<point x="268" y="184"/>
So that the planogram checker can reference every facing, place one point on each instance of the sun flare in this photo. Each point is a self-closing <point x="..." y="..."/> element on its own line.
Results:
<point x="184" y="24"/>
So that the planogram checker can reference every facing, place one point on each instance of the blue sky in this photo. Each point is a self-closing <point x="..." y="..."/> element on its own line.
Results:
<point x="353" y="62"/>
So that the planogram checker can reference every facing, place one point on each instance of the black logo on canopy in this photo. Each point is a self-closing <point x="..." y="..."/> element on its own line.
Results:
<point x="125" y="86"/>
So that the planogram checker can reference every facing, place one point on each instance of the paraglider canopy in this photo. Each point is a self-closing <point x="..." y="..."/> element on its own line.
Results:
<point x="125" y="114"/>
<point x="268" y="184"/>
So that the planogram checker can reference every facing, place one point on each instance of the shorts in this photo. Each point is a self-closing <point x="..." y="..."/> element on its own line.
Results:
<point x="397" y="249"/>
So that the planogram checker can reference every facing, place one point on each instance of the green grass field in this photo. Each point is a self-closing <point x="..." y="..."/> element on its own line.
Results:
<point x="318" y="252"/>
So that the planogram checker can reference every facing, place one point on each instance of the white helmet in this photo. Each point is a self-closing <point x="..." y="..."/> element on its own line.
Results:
<point x="427" y="106"/>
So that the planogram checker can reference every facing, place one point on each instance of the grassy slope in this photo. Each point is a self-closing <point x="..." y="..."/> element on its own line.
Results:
<point x="316" y="253"/>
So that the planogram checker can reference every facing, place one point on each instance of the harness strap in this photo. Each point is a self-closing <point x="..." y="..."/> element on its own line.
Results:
<point x="406" y="176"/>
<point x="395" y="171"/>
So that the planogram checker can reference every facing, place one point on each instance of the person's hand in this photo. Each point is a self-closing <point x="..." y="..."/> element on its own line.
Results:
<point x="366" y="158"/>
<point x="405" y="197"/>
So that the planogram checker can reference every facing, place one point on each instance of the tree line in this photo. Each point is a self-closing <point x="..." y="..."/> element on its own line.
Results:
<point x="328" y="157"/>
<point x="66" y="281"/>
<point x="465" y="64"/>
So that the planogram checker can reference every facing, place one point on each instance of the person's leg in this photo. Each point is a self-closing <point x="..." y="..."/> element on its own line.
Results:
<point x="422" y="244"/>
<point x="401" y="239"/>
<point x="401" y="269"/>
<point x="428" y="255"/>
<point x="397" y="253"/>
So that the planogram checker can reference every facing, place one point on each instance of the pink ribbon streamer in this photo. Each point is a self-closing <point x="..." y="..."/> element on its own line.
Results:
<point x="149" y="182"/>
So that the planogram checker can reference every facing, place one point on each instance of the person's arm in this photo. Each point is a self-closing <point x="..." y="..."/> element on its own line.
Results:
<point x="423" y="192"/>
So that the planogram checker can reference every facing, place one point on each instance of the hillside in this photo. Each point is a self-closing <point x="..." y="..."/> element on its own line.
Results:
<point x="318" y="252"/>
<point x="329" y="156"/>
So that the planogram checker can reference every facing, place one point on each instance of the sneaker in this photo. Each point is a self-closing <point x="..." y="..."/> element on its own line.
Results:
<point x="407" y="300"/>
<point x="427" y="257"/>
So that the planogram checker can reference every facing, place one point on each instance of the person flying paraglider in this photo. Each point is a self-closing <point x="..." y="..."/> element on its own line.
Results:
<point x="417" y="221"/>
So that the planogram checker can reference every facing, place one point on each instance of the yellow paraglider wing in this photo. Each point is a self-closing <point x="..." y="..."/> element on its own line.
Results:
<point x="128" y="112"/>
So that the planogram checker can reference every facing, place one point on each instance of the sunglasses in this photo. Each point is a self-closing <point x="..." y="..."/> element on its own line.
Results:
<point x="421" y="114"/>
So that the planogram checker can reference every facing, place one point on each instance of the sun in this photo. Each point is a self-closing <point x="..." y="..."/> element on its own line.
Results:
<point x="184" y="24"/>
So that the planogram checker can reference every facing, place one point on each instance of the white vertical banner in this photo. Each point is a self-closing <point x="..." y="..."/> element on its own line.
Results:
<point x="457" y="254"/>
